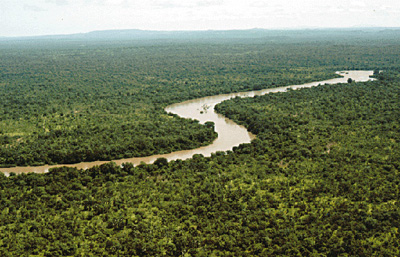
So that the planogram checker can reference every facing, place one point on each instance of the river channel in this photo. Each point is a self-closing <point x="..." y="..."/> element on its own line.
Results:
<point x="230" y="134"/>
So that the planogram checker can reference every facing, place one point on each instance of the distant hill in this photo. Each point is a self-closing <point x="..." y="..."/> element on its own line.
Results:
<point x="136" y="34"/>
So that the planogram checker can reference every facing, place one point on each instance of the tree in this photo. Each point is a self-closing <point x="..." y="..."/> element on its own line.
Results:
<point x="209" y="124"/>
<point x="161" y="161"/>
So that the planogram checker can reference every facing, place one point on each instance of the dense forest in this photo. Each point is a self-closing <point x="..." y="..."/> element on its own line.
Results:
<point x="72" y="101"/>
<point x="66" y="104"/>
<point x="321" y="179"/>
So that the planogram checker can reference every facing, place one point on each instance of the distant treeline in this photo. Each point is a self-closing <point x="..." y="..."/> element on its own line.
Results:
<point x="225" y="36"/>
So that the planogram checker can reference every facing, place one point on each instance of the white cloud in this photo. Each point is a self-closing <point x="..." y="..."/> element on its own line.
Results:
<point x="358" y="3"/>
<point x="33" y="8"/>
<point x="68" y="16"/>
<point x="58" y="2"/>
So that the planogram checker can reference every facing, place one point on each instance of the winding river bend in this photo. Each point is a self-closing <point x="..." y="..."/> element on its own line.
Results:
<point x="230" y="134"/>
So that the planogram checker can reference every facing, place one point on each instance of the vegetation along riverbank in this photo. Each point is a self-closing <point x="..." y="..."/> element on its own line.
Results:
<point x="321" y="179"/>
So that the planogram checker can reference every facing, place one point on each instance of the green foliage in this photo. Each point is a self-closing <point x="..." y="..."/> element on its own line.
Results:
<point x="66" y="102"/>
<point x="341" y="143"/>
<point x="272" y="197"/>
<point x="321" y="179"/>
<point x="85" y="109"/>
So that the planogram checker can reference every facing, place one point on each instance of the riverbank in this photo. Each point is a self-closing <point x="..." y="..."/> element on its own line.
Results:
<point x="230" y="134"/>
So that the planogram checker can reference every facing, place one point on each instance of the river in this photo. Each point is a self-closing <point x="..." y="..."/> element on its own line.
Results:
<point x="230" y="134"/>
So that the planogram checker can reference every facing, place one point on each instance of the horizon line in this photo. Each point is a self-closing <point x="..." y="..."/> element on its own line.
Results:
<point x="204" y="30"/>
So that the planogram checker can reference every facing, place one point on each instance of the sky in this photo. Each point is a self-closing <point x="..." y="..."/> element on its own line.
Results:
<point x="49" y="17"/>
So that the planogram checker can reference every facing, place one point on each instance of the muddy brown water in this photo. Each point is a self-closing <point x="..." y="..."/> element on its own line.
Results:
<point x="230" y="134"/>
